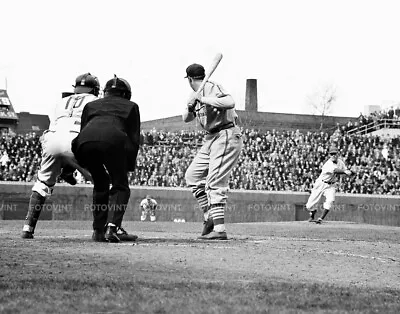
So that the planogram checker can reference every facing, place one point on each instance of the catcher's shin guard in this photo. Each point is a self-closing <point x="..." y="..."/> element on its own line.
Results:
<point x="36" y="203"/>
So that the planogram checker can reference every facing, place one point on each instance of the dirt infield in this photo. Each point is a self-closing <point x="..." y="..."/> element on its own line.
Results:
<point x="288" y="267"/>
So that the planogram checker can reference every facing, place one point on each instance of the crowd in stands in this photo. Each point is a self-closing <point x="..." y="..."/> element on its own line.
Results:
<point x="392" y="113"/>
<point x="271" y="160"/>
<point x="20" y="157"/>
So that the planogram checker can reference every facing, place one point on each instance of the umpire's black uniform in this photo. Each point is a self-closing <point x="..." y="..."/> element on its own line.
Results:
<point x="107" y="146"/>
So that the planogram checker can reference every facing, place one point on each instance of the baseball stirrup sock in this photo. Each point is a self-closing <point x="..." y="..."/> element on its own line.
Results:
<point x="326" y="211"/>
<point x="217" y="212"/>
<point x="201" y="198"/>
<point x="36" y="203"/>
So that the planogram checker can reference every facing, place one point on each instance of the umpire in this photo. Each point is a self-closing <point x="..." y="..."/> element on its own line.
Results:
<point x="107" y="146"/>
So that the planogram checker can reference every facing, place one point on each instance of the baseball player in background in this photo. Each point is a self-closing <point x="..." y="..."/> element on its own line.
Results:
<point x="57" y="157"/>
<point x="208" y="174"/>
<point x="148" y="206"/>
<point x="325" y="185"/>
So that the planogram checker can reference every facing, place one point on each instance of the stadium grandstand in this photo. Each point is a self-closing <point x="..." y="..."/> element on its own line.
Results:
<point x="282" y="152"/>
<point x="12" y="123"/>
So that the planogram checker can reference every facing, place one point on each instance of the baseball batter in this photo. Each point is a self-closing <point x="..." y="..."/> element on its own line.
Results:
<point x="148" y="206"/>
<point x="56" y="147"/>
<point x="208" y="174"/>
<point x="325" y="185"/>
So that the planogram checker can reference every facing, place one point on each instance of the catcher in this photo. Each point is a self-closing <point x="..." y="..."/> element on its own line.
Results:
<point x="57" y="157"/>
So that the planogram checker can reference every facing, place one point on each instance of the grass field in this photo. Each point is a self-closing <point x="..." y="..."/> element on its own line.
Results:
<point x="287" y="267"/>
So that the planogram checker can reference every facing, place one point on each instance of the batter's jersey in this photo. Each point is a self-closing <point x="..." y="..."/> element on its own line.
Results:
<point x="327" y="174"/>
<point x="214" y="96"/>
<point x="148" y="204"/>
<point x="68" y="112"/>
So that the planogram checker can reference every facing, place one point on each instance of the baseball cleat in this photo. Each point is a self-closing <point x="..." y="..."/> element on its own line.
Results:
<point x="111" y="235"/>
<point x="98" y="236"/>
<point x="208" y="226"/>
<point x="27" y="235"/>
<point x="319" y="221"/>
<point x="214" y="236"/>
<point x="125" y="236"/>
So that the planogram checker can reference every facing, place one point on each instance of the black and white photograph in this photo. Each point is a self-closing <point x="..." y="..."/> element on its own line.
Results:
<point x="220" y="156"/>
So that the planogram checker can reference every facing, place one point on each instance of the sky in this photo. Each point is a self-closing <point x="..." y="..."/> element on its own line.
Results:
<point x="292" y="48"/>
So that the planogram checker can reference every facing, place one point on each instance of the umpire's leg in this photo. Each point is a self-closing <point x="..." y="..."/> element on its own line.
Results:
<point x="115" y="161"/>
<point x="92" y="155"/>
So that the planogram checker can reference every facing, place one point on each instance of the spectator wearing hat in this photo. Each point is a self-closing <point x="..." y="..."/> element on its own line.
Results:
<point x="325" y="185"/>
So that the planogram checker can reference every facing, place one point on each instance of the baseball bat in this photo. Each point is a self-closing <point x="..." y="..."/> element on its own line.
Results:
<point x="217" y="59"/>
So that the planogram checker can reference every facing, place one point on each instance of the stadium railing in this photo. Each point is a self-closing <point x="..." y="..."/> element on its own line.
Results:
<point x="374" y="126"/>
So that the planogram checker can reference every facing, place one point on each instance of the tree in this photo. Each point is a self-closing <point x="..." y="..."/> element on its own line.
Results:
<point x="322" y="101"/>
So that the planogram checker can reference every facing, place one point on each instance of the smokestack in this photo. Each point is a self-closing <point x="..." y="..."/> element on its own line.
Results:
<point x="251" y="95"/>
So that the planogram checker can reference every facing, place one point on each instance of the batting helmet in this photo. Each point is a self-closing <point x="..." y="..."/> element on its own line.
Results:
<point x="118" y="86"/>
<point x="87" y="83"/>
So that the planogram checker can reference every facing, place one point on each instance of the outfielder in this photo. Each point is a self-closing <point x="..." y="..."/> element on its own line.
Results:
<point x="208" y="174"/>
<point x="57" y="157"/>
<point x="148" y="206"/>
<point x="325" y="185"/>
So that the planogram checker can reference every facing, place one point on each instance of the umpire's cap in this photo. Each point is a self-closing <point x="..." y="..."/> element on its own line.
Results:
<point x="195" y="71"/>
<point x="86" y="83"/>
<point x="120" y="86"/>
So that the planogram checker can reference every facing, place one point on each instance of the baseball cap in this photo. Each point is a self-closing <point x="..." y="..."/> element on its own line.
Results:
<point x="85" y="83"/>
<point x="333" y="150"/>
<point x="195" y="70"/>
<point x="118" y="83"/>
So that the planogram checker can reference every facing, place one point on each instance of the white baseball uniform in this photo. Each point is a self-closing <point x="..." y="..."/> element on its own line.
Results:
<point x="325" y="185"/>
<point x="56" y="141"/>
<point x="148" y="206"/>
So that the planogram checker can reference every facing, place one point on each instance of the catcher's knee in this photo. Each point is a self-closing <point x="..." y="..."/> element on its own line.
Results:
<point x="42" y="189"/>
